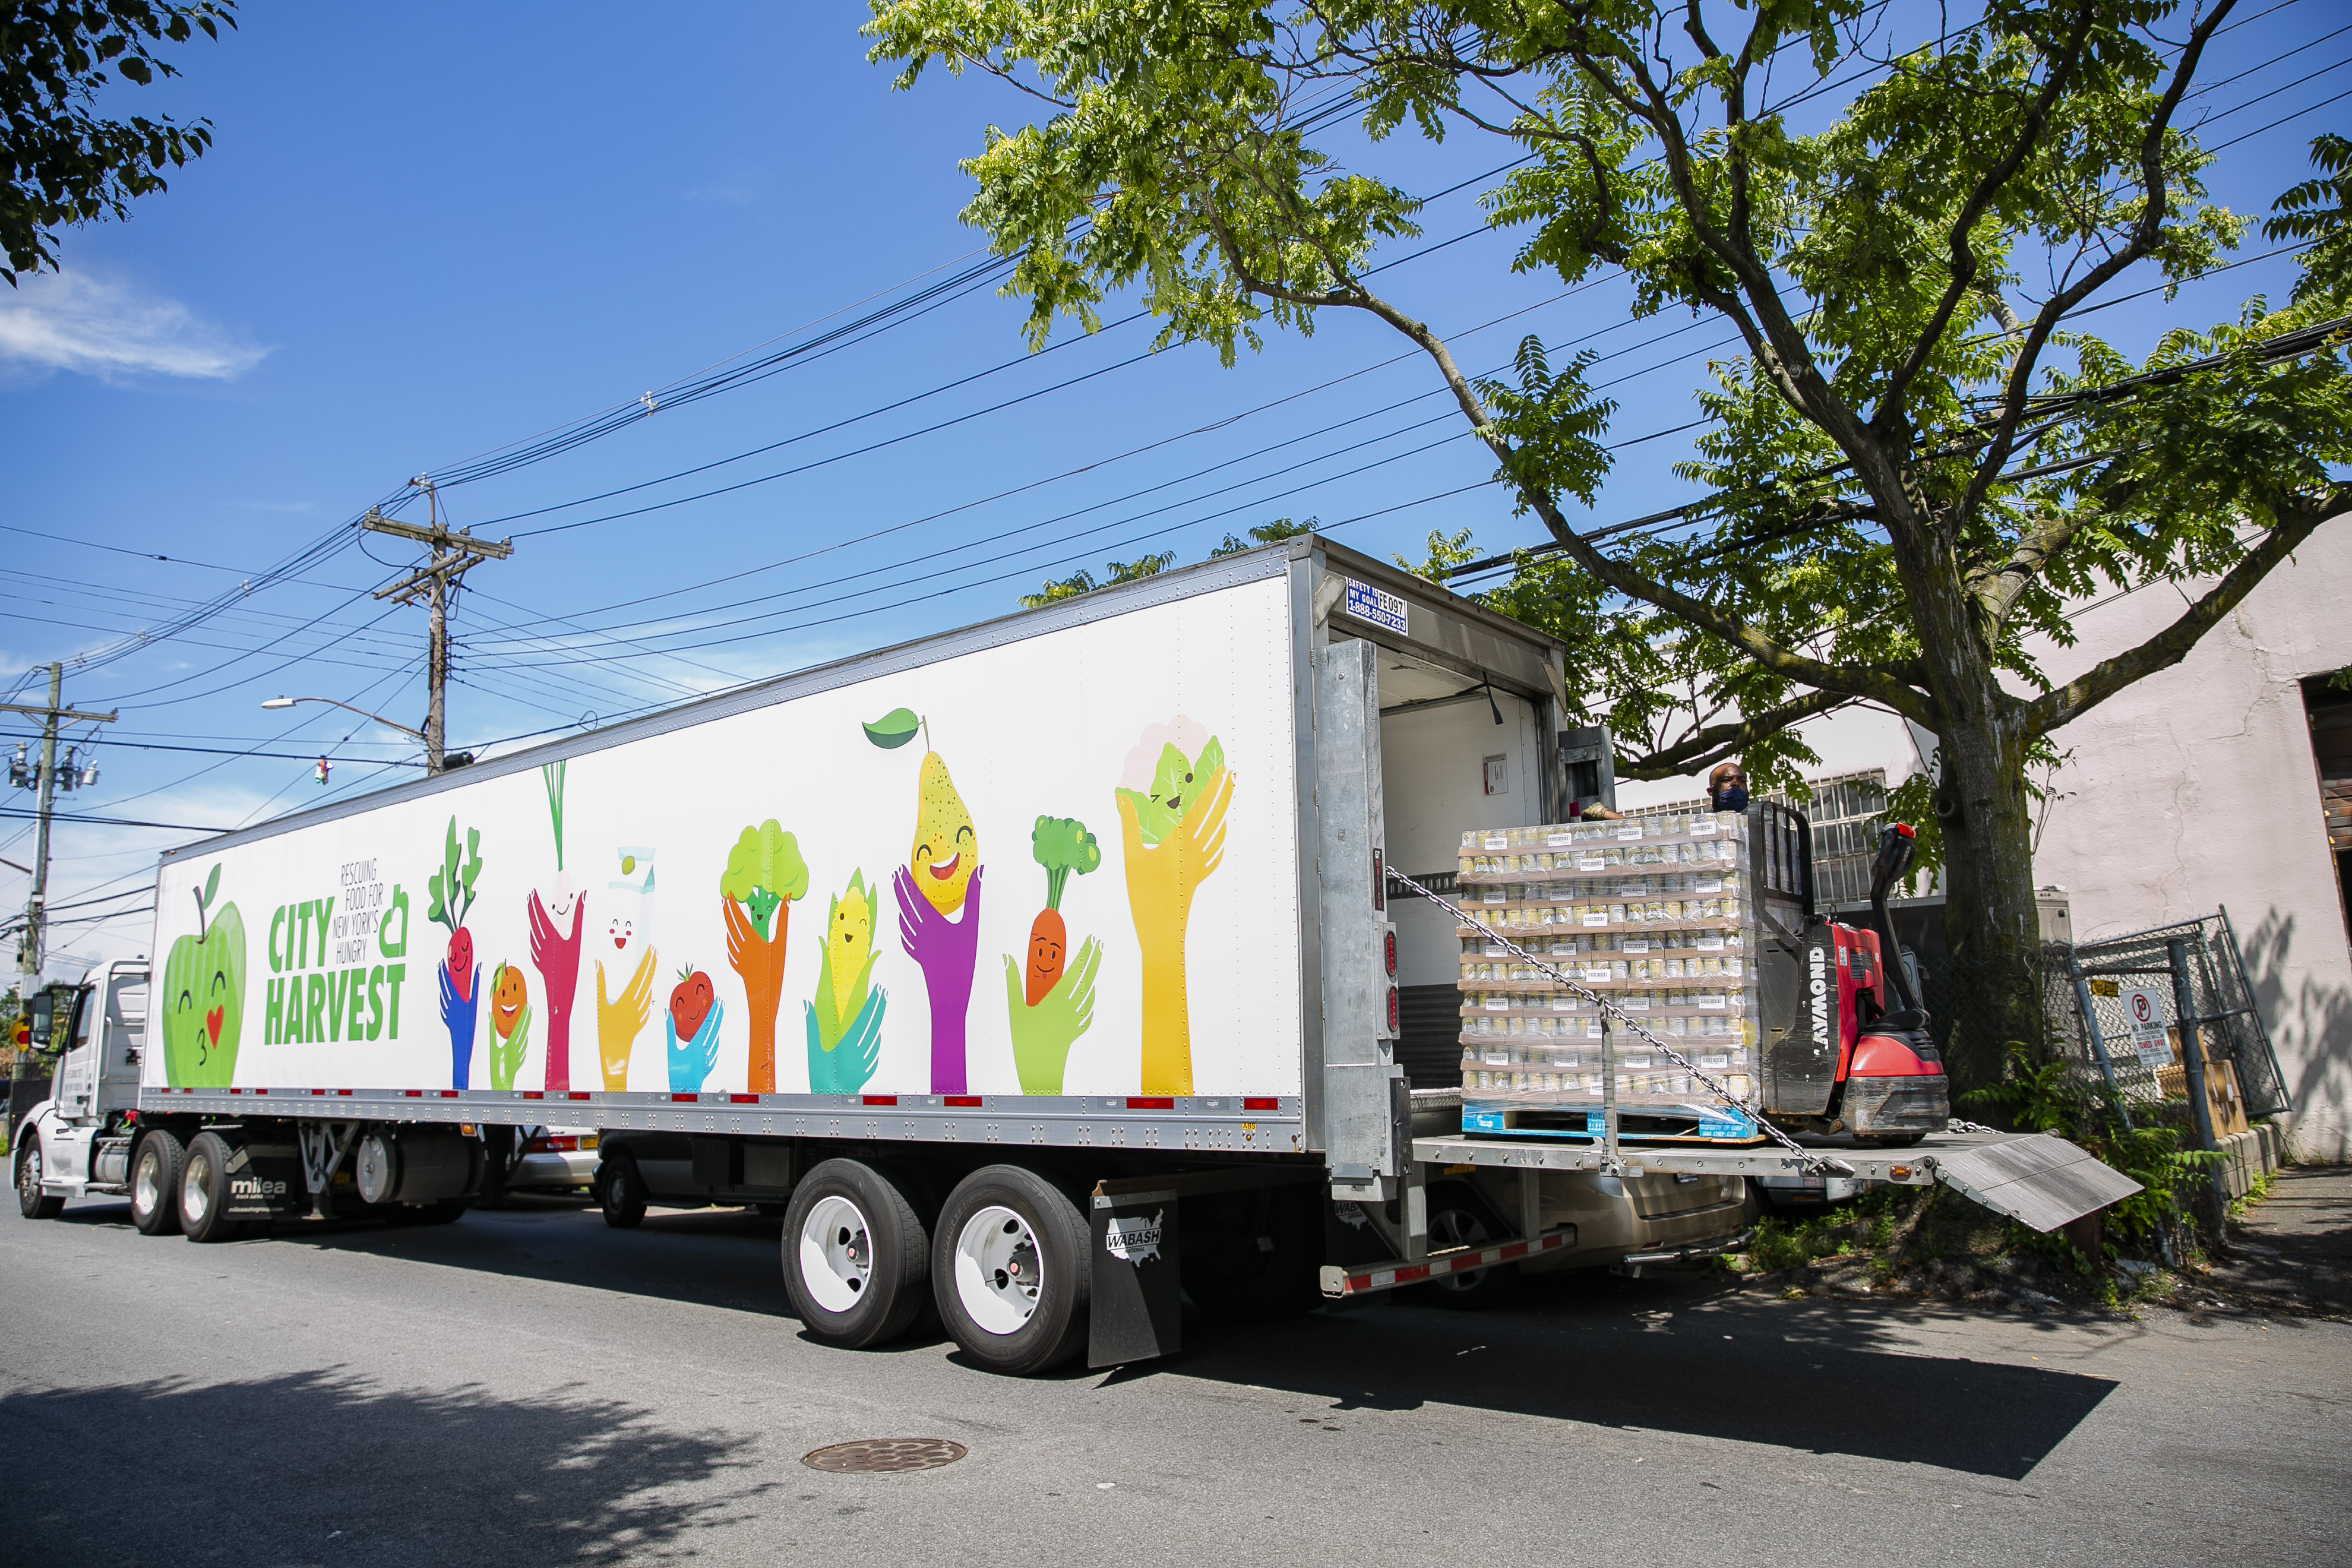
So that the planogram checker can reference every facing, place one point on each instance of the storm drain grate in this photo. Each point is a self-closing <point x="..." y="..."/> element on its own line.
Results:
<point x="882" y="1455"/>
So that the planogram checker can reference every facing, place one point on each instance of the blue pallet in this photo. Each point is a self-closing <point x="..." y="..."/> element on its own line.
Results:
<point x="1716" y="1124"/>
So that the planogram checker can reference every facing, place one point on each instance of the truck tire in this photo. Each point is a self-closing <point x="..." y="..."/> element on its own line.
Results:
<point x="621" y="1192"/>
<point x="855" y="1253"/>
<point x="203" y="1191"/>
<point x="31" y="1202"/>
<point x="1011" y="1269"/>
<point x="1459" y="1217"/>
<point x="1253" y="1257"/>
<point x="156" y="1183"/>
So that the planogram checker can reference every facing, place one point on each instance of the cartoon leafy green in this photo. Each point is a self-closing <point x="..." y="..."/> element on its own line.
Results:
<point x="1158" y="812"/>
<point x="452" y="887"/>
<point x="1062" y="845"/>
<point x="763" y="870"/>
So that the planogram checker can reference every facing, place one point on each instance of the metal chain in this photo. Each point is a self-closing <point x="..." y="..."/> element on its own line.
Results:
<point x="1816" y="1162"/>
<point x="1956" y="1125"/>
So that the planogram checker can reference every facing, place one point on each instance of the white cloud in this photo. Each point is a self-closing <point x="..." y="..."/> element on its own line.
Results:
<point x="74" y="322"/>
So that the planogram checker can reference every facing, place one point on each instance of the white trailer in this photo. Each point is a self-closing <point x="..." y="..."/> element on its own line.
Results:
<point x="1030" y="969"/>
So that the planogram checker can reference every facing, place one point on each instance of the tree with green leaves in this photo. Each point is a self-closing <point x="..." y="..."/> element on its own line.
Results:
<point x="59" y="162"/>
<point x="1920" y="457"/>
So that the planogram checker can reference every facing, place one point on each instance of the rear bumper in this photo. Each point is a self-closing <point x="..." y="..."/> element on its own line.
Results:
<point x="1878" y="1106"/>
<point x="571" y="1168"/>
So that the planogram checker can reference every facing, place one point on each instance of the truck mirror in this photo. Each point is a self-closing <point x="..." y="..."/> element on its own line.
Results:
<point x="42" y="1011"/>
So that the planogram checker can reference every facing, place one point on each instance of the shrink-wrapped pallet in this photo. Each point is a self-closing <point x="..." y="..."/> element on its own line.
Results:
<point x="1651" y="913"/>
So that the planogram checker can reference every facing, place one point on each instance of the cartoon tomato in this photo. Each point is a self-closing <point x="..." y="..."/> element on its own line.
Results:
<point x="690" y="1002"/>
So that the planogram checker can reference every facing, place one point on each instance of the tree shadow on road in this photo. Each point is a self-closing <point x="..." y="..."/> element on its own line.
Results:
<point x="322" y="1465"/>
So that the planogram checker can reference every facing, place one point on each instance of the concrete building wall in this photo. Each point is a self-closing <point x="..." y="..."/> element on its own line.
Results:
<point x="2196" y="790"/>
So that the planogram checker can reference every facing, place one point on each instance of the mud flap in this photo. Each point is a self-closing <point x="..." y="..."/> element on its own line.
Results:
<point x="1137" y="1306"/>
<point x="2042" y="1182"/>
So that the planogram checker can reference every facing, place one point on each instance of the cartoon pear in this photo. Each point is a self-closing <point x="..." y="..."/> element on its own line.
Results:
<point x="946" y="849"/>
<point x="849" y="943"/>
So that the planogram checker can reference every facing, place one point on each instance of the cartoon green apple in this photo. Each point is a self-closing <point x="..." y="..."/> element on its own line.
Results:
<point x="204" y="997"/>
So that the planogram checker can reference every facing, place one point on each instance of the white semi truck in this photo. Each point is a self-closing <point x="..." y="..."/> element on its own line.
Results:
<point x="1036" y="972"/>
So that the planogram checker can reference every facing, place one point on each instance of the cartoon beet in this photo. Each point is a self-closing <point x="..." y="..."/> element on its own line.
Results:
<point x="452" y="890"/>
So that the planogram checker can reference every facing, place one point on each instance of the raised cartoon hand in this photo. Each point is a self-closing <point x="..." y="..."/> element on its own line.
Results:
<point x="846" y="1069"/>
<point x="949" y="952"/>
<point x="1162" y="879"/>
<point x="459" y="1014"/>
<point x="506" y="1056"/>
<point x="556" y="955"/>
<point x="618" y="1023"/>
<point x="691" y="1061"/>
<point x="1043" y="1035"/>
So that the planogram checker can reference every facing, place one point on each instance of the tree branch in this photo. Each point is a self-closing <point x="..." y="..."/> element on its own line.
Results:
<point x="1703" y="748"/>
<point x="2145" y="235"/>
<point x="2062" y="705"/>
<point x="1963" y="254"/>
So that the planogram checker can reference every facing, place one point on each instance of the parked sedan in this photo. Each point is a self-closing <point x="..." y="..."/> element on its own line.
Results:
<point x="553" y="1159"/>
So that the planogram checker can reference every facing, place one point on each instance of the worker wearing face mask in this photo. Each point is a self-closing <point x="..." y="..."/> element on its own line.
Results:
<point x="1726" y="788"/>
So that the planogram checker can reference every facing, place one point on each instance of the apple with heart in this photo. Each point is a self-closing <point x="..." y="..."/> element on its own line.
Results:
<point x="203" y="1001"/>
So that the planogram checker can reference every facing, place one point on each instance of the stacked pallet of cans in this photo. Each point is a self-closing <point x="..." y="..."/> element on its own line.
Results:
<point x="1652" y="912"/>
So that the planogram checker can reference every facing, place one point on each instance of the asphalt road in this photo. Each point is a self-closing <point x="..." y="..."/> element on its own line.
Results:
<point x="529" y="1387"/>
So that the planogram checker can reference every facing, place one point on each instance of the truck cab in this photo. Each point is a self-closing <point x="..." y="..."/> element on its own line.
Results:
<point x="78" y="1140"/>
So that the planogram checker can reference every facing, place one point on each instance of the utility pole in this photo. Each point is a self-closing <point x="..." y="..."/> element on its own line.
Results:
<point x="454" y="552"/>
<point x="45" y="781"/>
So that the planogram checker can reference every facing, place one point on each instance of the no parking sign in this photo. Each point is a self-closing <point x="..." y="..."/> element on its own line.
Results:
<point x="2144" y="1010"/>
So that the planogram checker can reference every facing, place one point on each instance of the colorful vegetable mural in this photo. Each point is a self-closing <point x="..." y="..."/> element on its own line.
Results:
<point x="844" y="1022"/>
<point x="555" y="951"/>
<point x="629" y="927"/>
<point x="1050" y="1007"/>
<point x="764" y="876"/>
<point x="510" y="1025"/>
<point x="938" y="892"/>
<point x="692" y="1024"/>
<point x="204" y="996"/>
<point x="460" y="978"/>
<point x="1172" y="809"/>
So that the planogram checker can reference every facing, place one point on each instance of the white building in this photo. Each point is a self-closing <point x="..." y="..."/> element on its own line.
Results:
<point x="2200" y="788"/>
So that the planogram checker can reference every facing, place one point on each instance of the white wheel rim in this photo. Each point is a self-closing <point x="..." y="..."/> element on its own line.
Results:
<point x="193" y="1199"/>
<point x="836" y="1253"/>
<point x="997" y="1270"/>
<point x="30" y="1173"/>
<point x="146" y="1186"/>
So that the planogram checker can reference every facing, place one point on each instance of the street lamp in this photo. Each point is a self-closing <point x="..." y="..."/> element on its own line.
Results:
<point x="434" y="762"/>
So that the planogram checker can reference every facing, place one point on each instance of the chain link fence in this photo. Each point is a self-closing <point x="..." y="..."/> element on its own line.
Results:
<point x="2127" y="994"/>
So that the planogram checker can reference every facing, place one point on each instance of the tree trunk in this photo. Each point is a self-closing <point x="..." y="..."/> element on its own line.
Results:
<point x="1993" y="995"/>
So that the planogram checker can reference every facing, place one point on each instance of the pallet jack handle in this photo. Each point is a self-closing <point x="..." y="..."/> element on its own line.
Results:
<point x="1895" y="844"/>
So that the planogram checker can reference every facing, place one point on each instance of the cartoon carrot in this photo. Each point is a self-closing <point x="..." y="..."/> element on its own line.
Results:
<point x="1062" y="846"/>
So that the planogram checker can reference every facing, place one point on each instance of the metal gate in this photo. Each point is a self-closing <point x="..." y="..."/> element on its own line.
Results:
<point x="2131" y="993"/>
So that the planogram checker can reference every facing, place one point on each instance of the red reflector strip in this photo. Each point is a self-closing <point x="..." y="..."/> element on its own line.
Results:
<point x="448" y="1094"/>
<point x="963" y="1099"/>
<point x="261" y="1091"/>
<point x="1150" y="1102"/>
<point x="1392" y="1275"/>
<point x="742" y="1099"/>
<point x="577" y="1094"/>
<point x="318" y="1091"/>
<point x="881" y="1100"/>
<point x="413" y="1093"/>
<point x="1260" y="1102"/>
<point x="344" y="1092"/>
<point x="684" y="1099"/>
<point x="532" y="1094"/>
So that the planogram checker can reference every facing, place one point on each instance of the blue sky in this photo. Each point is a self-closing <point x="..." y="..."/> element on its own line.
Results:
<point x="430" y="231"/>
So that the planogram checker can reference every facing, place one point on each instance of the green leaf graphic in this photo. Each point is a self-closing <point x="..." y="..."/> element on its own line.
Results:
<point x="894" y="728"/>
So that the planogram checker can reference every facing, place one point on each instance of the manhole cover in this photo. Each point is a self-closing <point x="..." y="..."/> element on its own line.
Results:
<point x="884" y="1456"/>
